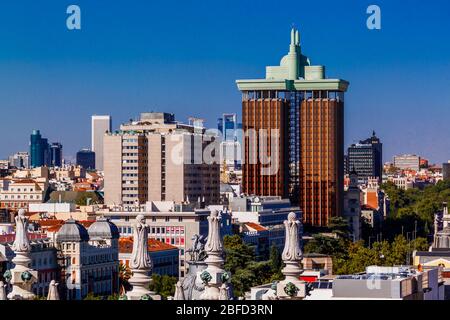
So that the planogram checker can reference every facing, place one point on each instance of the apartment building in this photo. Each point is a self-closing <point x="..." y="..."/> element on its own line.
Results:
<point x="19" y="193"/>
<point x="158" y="159"/>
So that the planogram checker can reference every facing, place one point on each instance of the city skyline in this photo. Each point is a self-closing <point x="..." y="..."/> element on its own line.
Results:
<point x="104" y="70"/>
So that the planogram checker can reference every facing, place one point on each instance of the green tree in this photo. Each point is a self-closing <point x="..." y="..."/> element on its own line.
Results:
<point x="340" y="227"/>
<point x="163" y="285"/>
<point x="238" y="254"/>
<point x="82" y="198"/>
<point x="275" y="259"/>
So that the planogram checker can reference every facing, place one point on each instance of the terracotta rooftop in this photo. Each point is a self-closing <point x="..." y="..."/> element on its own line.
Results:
<point x="367" y="207"/>
<point x="255" y="226"/>
<point x="53" y="225"/>
<point x="18" y="181"/>
<point x="126" y="245"/>
<point x="11" y="236"/>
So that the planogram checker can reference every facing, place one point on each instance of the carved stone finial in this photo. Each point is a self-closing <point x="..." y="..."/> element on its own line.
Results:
<point x="140" y="263"/>
<point x="179" y="292"/>
<point x="212" y="276"/>
<point x="21" y="242"/>
<point x="53" y="293"/>
<point x="223" y="294"/>
<point x="214" y="241"/>
<point x="292" y="287"/>
<point x="292" y="251"/>
<point x="140" y="258"/>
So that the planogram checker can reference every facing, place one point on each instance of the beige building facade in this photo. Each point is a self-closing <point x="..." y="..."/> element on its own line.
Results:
<point x="156" y="159"/>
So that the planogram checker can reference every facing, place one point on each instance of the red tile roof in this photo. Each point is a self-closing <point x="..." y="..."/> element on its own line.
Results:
<point x="367" y="207"/>
<point x="18" y="181"/>
<point x="255" y="226"/>
<point x="126" y="245"/>
<point x="11" y="236"/>
<point x="53" y="225"/>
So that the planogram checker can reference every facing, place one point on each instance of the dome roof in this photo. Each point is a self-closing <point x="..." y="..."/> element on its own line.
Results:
<point x="103" y="229"/>
<point x="72" y="230"/>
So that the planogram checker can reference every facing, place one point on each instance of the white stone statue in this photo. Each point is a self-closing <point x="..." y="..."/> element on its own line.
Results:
<point x="214" y="272"/>
<point x="2" y="291"/>
<point x="291" y="287"/>
<point x="140" y="258"/>
<point x="214" y="242"/>
<point x="21" y="242"/>
<point x="53" y="293"/>
<point x="22" y="276"/>
<point x="292" y="251"/>
<point x="223" y="294"/>
<point x="179" y="291"/>
<point x="140" y="263"/>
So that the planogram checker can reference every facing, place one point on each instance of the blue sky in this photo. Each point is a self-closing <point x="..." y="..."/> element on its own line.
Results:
<point x="184" y="57"/>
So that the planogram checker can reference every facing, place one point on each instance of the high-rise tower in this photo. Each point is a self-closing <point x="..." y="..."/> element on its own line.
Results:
<point x="293" y="122"/>
<point x="39" y="150"/>
<point x="366" y="158"/>
<point x="99" y="126"/>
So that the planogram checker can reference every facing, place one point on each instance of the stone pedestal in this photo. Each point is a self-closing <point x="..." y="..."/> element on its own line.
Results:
<point x="292" y="290"/>
<point x="212" y="276"/>
<point x="140" y="282"/>
<point x="292" y="287"/>
<point x="22" y="278"/>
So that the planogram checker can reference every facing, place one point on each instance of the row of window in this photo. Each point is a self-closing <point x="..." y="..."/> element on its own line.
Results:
<point x="25" y="197"/>
<point x="24" y="190"/>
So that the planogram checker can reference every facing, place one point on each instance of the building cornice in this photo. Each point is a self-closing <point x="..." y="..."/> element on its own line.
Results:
<point x="292" y="85"/>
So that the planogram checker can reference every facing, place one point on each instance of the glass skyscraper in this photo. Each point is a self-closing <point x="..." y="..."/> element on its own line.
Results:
<point x="39" y="150"/>
<point x="86" y="159"/>
<point x="366" y="158"/>
<point x="56" y="154"/>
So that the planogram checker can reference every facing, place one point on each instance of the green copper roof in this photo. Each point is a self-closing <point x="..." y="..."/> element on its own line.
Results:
<point x="295" y="72"/>
<point x="290" y="85"/>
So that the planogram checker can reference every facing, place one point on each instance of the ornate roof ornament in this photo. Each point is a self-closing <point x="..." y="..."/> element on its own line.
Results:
<point x="214" y="242"/>
<point x="53" y="291"/>
<point x="291" y="287"/>
<point x="140" y="258"/>
<point x="140" y="263"/>
<point x="21" y="242"/>
<point x="224" y="292"/>
<point x="179" y="292"/>
<point x="292" y="251"/>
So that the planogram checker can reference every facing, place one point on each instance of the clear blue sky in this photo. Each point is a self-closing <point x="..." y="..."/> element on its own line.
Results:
<point x="184" y="57"/>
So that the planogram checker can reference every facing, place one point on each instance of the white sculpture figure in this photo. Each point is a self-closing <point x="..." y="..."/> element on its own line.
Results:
<point x="292" y="287"/>
<point x="179" y="292"/>
<point x="2" y="291"/>
<point x="213" y="274"/>
<point x="21" y="242"/>
<point x="22" y="276"/>
<point x="53" y="293"/>
<point x="140" y="258"/>
<point x="140" y="263"/>
<point x="223" y="294"/>
<point x="292" y="251"/>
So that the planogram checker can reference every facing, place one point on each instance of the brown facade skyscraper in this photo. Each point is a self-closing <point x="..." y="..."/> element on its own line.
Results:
<point x="294" y="135"/>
